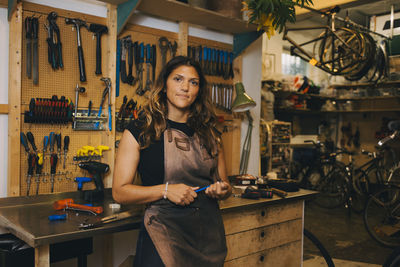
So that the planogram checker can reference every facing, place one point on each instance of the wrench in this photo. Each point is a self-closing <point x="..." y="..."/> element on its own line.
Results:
<point x="173" y="48"/>
<point x="163" y="43"/>
<point x="149" y="83"/>
<point x="140" y="90"/>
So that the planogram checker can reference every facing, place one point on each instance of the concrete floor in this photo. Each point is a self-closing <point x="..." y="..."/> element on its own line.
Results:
<point x="344" y="236"/>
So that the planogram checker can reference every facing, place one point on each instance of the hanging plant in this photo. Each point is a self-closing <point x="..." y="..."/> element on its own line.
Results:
<point x="271" y="15"/>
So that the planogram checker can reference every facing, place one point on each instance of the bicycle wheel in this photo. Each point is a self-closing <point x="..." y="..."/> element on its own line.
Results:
<point x="321" y="248"/>
<point x="382" y="216"/>
<point x="394" y="259"/>
<point x="341" y="51"/>
<point x="333" y="189"/>
<point x="361" y="183"/>
<point x="357" y="202"/>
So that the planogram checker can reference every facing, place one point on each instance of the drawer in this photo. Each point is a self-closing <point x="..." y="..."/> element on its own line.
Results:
<point x="250" y="218"/>
<point x="255" y="240"/>
<point x="282" y="256"/>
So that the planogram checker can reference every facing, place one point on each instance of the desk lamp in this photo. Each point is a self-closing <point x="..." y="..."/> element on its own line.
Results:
<point x="243" y="102"/>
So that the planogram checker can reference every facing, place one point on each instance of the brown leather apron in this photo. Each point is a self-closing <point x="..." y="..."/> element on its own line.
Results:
<point x="192" y="235"/>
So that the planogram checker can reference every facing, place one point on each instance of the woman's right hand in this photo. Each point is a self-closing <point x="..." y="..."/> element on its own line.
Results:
<point x="181" y="194"/>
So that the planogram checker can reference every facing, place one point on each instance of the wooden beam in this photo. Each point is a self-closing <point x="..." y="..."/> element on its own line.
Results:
<point x="14" y="102"/>
<point x="4" y="3"/>
<point x="322" y="4"/>
<point x="183" y="38"/>
<point x="3" y="108"/>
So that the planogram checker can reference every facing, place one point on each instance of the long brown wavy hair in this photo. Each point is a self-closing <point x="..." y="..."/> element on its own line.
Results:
<point x="202" y="118"/>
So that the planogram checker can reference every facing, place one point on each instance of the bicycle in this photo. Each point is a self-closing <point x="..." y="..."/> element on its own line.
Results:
<point x="349" y="50"/>
<point x="382" y="210"/>
<point x="324" y="174"/>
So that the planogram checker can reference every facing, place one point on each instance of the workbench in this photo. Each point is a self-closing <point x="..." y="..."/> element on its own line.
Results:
<point x="257" y="231"/>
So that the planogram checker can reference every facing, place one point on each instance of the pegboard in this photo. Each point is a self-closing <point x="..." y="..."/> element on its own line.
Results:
<point x="62" y="82"/>
<point x="230" y="128"/>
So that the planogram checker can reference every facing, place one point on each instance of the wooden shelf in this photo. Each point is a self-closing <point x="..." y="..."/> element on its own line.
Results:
<point x="308" y="111"/>
<point x="364" y="85"/>
<point x="283" y="94"/>
<point x="177" y="11"/>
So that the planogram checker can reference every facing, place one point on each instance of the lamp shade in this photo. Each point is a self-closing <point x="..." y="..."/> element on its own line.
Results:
<point x="243" y="101"/>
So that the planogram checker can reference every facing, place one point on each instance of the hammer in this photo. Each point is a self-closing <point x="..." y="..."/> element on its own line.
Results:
<point x="68" y="203"/>
<point x="98" y="30"/>
<point x="78" y="24"/>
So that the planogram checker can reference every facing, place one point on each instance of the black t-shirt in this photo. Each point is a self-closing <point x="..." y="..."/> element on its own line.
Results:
<point x="151" y="163"/>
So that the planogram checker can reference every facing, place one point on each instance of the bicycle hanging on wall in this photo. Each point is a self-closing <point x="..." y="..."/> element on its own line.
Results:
<point x="349" y="50"/>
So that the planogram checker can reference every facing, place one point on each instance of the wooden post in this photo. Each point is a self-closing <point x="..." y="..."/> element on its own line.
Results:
<point x="42" y="256"/>
<point x="183" y="38"/>
<point x="109" y="137"/>
<point x="14" y="102"/>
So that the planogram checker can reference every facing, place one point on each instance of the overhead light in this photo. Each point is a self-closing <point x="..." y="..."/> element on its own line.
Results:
<point x="242" y="102"/>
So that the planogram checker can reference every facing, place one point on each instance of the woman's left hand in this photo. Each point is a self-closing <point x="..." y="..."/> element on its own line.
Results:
<point x="219" y="190"/>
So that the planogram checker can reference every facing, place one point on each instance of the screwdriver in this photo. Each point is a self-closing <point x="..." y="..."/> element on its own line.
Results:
<point x="58" y="140"/>
<point x="31" y="140"/>
<point x="24" y="142"/>
<point x="53" y="164"/>
<point x="45" y="145"/>
<point x="66" y="144"/>
<point x="52" y="140"/>
<point x="39" y="167"/>
<point x="31" y="166"/>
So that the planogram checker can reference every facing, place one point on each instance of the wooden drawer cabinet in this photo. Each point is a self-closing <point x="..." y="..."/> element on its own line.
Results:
<point x="269" y="235"/>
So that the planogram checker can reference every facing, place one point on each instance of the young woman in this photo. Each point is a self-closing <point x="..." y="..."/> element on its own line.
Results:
<point x="177" y="151"/>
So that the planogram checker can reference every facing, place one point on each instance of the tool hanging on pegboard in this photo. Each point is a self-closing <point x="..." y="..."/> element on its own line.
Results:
<point x="128" y="111"/>
<point x="214" y="62"/>
<point x="221" y="96"/>
<point x="98" y="31"/>
<point x="49" y="110"/>
<point x="54" y="46"/>
<point x="32" y="50"/>
<point x="77" y="23"/>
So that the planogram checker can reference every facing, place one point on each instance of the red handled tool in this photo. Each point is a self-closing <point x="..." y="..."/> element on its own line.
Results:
<point x="68" y="203"/>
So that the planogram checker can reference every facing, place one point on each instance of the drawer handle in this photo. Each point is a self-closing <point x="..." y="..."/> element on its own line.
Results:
<point x="262" y="234"/>
<point x="261" y="258"/>
<point x="263" y="213"/>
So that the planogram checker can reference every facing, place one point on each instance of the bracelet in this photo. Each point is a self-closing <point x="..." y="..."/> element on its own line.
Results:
<point x="165" y="191"/>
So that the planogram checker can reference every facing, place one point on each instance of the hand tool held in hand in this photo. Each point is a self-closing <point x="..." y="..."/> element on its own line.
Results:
<point x="98" y="30"/>
<point x="97" y="169"/>
<point x="201" y="189"/>
<point x="69" y="203"/>
<point x="78" y="24"/>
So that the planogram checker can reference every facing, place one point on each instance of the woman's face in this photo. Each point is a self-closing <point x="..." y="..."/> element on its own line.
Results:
<point x="182" y="88"/>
